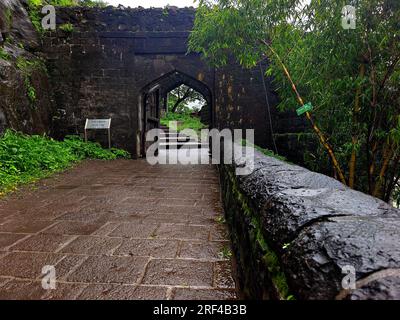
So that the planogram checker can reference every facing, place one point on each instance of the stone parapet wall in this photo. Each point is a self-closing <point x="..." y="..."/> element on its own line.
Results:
<point x="294" y="230"/>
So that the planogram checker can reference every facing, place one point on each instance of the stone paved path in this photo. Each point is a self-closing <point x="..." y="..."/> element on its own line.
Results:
<point x="118" y="230"/>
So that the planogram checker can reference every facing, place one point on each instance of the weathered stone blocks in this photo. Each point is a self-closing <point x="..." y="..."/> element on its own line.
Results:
<point x="294" y="230"/>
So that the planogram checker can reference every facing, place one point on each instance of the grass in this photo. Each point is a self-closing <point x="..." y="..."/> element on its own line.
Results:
<point x="26" y="159"/>
<point x="185" y="121"/>
<point x="267" y="152"/>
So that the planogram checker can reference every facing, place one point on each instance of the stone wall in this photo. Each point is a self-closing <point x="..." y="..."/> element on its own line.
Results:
<point x="293" y="230"/>
<point x="102" y="66"/>
<point x="21" y="69"/>
<point x="242" y="102"/>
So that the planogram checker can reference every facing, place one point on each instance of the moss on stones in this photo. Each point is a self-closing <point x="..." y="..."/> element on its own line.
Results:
<point x="259" y="244"/>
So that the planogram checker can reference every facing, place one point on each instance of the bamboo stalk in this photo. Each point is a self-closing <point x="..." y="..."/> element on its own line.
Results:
<point x="387" y="154"/>
<point x="354" y="138"/>
<point x="315" y="127"/>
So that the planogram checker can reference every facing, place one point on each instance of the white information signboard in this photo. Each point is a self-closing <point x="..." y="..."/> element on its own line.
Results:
<point x="99" y="124"/>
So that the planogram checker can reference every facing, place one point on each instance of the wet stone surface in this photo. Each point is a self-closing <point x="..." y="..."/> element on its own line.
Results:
<point x="313" y="229"/>
<point x="134" y="231"/>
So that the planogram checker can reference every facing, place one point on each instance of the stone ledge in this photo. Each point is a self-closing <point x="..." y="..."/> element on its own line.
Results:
<point x="293" y="230"/>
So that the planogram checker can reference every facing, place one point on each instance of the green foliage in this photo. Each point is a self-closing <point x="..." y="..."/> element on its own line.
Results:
<point x="24" y="159"/>
<point x="67" y="27"/>
<point x="4" y="55"/>
<point x="396" y="195"/>
<point x="182" y="100"/>
<point x="69" y="3"/>
<point x="91" y="150"/>
<point x="185" y="121"/>
<point x="30" y="91"/>
<point x="27" y="68"/>
<point x="35" y="14"/>
<point x="9" y="18"/>
<point x="225" y="253"/>
<point x="93" y="3"/>
<point x="351" y="76"/>
<point x="36" y="5"/>
<point x="220" y="220"/>
<point x="267" y="152"/>
<point x="165" y="11"/>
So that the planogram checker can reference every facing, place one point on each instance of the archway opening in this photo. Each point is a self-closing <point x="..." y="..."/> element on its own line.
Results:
<point x="184" y="108"/>
<point x="177" y="97"/>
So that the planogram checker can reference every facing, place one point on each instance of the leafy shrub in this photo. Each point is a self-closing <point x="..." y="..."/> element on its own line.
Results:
<point x="185" y="121"/>
<point x="92" y="150"/>
<point x="67" y="27"/>
<point x="25" y="159"/>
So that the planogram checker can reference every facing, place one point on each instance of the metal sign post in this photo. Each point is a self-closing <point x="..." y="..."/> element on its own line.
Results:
<point x="99" y="124"/>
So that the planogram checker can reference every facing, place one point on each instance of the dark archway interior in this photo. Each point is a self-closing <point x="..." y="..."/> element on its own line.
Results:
<point x="154" y="97"/>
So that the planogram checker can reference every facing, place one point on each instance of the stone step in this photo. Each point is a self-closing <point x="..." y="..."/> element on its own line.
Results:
<point x="183" y="145"/>
<point x="176" y="138"/>
<point x="171" y="134"/>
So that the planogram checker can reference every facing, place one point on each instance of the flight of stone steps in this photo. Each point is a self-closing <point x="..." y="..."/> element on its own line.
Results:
<point x="173" y="140"/>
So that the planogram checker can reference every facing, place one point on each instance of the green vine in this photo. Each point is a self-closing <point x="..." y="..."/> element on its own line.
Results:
<point x="27" y="69"/>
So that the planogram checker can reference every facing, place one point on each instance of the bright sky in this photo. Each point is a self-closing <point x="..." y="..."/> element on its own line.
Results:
<point x="153" y="3"/>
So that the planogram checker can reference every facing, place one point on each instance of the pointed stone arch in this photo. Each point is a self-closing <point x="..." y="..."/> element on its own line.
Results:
<point x="156" y="91"/>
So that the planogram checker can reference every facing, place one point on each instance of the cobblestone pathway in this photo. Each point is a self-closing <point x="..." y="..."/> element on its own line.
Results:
<point x="117" y="230"/>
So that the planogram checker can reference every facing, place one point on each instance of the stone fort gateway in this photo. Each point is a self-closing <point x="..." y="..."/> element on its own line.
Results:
<point x="124" y="229"/>
<point x="122" y="64"/>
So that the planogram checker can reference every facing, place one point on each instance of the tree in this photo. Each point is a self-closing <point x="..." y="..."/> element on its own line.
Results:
<point x="180" y="97"/>
<point x="350" y="76"/>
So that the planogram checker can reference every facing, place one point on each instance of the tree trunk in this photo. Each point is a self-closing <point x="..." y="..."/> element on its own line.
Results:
<point x="180" y="100"/>
<point x="354" y="139"/>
